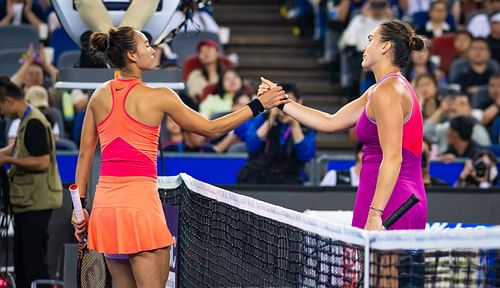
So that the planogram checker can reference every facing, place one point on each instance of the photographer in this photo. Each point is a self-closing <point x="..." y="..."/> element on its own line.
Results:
<point x="278" y="147"/>
<point x="481" y="171"/>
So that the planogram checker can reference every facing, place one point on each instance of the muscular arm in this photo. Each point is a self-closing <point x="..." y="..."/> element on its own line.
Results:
<point x="87" y="148"/>
<point x="386" y="106"/>
<point x="193" y="121"/>
<point x="345" y="118"/>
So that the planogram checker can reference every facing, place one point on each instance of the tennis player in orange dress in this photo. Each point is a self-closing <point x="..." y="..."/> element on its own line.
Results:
<point x="127" y="222"/>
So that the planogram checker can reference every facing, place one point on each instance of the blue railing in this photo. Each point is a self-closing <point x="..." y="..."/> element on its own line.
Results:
<point x="223" y="168"/>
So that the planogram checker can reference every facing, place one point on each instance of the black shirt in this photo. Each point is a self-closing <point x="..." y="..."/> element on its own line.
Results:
<point x="35" y="139"/>
<point x="471" y="150"/>
<point x="494" y="44"/>
<point x="468" y="77"/>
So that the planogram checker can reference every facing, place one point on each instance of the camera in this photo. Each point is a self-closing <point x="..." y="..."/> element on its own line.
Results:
<point x="480" y="166"/>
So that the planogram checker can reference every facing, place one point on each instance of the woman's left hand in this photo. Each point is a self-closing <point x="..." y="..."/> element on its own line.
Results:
<point x="374" y="221"/>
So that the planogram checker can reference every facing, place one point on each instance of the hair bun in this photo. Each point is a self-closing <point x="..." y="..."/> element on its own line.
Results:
<point x="99" y="41"/>
<point x="418" y="42"/>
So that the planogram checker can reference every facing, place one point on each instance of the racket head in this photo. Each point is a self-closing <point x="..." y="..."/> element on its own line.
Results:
<point x="91" y="268"/>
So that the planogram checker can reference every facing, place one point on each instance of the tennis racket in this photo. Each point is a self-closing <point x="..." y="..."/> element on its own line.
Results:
<point x="400" y="211"/>
<point x="91" y="269"/>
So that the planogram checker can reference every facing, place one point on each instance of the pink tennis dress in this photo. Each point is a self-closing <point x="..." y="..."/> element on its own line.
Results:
<point x="410" y="177"/>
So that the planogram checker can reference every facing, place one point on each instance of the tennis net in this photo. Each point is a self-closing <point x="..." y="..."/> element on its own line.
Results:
<point x="230" y="240"/>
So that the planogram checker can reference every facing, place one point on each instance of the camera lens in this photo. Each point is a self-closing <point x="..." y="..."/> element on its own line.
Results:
<point x="480" y="167"/>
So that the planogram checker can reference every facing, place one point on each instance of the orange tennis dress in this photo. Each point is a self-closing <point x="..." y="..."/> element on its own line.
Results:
<point x="127" y="216"/>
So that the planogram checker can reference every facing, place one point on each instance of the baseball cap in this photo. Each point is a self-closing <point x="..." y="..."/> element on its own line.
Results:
<point x="207" y="42"/>
<point x="38" y="96"/>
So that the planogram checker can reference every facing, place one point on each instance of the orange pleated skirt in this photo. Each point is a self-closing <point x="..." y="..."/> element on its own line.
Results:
<point x="127" y="216"/>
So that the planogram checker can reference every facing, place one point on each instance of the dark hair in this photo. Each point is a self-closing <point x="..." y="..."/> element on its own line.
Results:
<point x="463" y="125"/>
<point x="464" y="32"/>
<point x="485" y="152"/>
<point x="9" y="89"/>
<point x="240" y="94"/>
<point x="436" y="2"/>
<point x="291" y="87"/>
<point x="403" y="39"/>
<point x="115" y="45"/>
<point x="480" y="39"/>
<point x="219" y="88"/>
<point x="427" y="75"/>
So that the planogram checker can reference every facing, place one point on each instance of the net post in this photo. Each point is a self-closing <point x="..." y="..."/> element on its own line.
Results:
<point x="366" y="277"/>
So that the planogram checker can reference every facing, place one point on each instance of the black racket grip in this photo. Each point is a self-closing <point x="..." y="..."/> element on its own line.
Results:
<point x="400" y="211"/>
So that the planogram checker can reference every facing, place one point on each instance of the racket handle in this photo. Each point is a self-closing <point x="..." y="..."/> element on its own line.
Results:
<point x="77" y="204"/>
<point x="400" y="211"/>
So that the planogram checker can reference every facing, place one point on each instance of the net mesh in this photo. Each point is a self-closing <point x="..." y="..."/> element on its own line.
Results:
<point x="229" y="240"/>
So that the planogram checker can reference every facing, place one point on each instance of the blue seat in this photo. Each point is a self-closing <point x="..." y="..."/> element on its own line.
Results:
<point x="10" y="61"/>
<point x="18" y="37"/>
<point x="69" y="59"/>
<point x="61" y="42"/>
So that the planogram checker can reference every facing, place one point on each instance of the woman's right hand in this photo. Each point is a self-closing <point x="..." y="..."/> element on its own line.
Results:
<point x="273" y="97"/>
<point x="80" y="226"/>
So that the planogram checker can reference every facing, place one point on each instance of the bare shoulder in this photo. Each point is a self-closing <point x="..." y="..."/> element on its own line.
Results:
<point x="99" y="95"/>
<point x="156" y="92"/>
<point x="390" y="90"/>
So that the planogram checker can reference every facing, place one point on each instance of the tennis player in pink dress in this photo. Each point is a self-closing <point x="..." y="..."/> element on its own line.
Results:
<point x="389" y="123"/>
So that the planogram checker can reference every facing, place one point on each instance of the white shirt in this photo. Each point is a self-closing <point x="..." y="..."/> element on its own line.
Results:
<point x="14" y="125"/>
<point x="330" y="178"/>
<point x="356" y="33"/>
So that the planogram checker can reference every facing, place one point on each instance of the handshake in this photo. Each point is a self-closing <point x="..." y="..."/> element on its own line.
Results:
<point x="271" y="95"/>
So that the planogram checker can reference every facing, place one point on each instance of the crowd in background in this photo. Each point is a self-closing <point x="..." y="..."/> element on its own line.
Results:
<point x="457" y="79"/>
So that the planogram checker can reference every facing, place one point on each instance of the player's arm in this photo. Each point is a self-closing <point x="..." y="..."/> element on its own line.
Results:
<point x="88" y="144"/>
<point x="345" y="118"/>
<point x="193" y="121"/>
<point x="386" y="106"/>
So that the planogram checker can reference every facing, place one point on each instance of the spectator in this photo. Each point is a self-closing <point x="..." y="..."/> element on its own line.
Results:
<point x="486" y="97"/>
<point x="462" y="42"/>
<point x="191" y="142"/>
<point x="211" y="68"/>
<point x="429" y="181"/>
<point x="354" y="39"/>
<point x="478" y="22"/>
<point x="477" y="71"/>
<point x="234" y="141"/>
<point x="345" y="177"/>
<point x="174" y="133"/>
<point x="97" y="18"/>
<point x="420" y="63"/>
<point x="35" y="185"/>
<point x="39" y="98"/>
<point x="337" y="11"/>
<point x="18" y="12"/>
<point x="200" y="20"/>
<point x="436" y="26"/>
<point x="222" y="99"/>
<point x="35" y="70"/>
<point x="426" y="88"/>
<point x="278" y="147"/>
<point x="480" y="172"/>
<point x="460" y="144"/>
<point x="494" y="37"/>
<point x="95" y="15"/>
<point x="490" y="117"/>
<point x="459" y="105"/>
